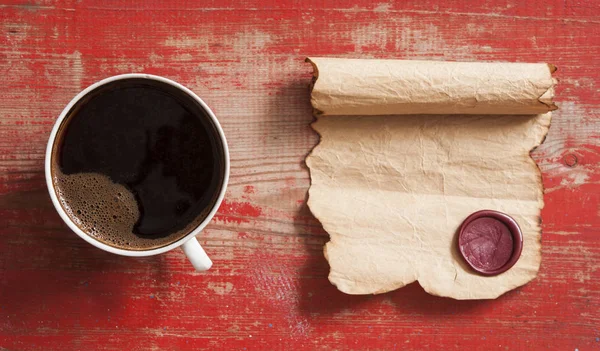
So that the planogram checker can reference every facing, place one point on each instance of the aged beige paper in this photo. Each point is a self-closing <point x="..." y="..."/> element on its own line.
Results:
<point x="388" y="87"/>
<point x="392" y="190"/>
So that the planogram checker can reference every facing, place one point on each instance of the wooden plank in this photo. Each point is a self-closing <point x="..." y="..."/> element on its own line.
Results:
<point x="268" y="288"/>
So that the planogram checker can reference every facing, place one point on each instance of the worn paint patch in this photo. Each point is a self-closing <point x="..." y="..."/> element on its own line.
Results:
<point x="220" y="288"/>
<point x="382" y="7"/>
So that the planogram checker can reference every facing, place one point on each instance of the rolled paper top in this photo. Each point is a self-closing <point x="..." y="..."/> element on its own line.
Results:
<point x="399" y="87"/>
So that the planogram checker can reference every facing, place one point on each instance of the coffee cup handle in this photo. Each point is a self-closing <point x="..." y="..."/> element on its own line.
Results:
<point x="195" y="253"/>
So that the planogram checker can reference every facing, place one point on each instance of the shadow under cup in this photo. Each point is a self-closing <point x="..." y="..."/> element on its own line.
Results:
<point x="138" y="163"/>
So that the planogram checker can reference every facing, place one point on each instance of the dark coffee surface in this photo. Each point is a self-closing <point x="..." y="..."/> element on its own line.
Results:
<point x="150" y="139"/>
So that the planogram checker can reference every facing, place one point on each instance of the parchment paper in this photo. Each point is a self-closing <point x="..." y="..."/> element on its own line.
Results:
<point x="392" y="190"/>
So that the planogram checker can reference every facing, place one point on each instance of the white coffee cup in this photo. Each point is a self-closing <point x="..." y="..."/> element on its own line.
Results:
<point x="189" y="243"/>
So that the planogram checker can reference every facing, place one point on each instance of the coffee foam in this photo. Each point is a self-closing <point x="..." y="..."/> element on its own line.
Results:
<point x="104" y="210"/>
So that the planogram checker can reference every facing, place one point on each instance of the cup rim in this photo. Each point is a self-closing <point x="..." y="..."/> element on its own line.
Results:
<point x="95" y="242"/>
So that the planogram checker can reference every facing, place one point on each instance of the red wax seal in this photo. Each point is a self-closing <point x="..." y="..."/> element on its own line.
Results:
<point x="490" y="242"/>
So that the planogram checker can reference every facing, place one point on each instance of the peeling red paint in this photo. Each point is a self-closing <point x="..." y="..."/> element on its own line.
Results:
<point x="245" y="59"/>
<point x="237" y="212"/>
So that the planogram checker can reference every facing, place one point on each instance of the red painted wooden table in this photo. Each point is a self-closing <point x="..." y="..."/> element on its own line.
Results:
<point x="268" y="289"/>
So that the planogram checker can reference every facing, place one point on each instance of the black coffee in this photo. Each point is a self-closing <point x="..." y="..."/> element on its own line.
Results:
<point x="137" y="164"/>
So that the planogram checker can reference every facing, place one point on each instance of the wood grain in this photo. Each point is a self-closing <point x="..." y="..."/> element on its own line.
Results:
<point x="268" y="289"/>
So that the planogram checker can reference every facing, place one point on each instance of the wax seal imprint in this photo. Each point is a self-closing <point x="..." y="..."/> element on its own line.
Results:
<point x="490" y="242"/>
